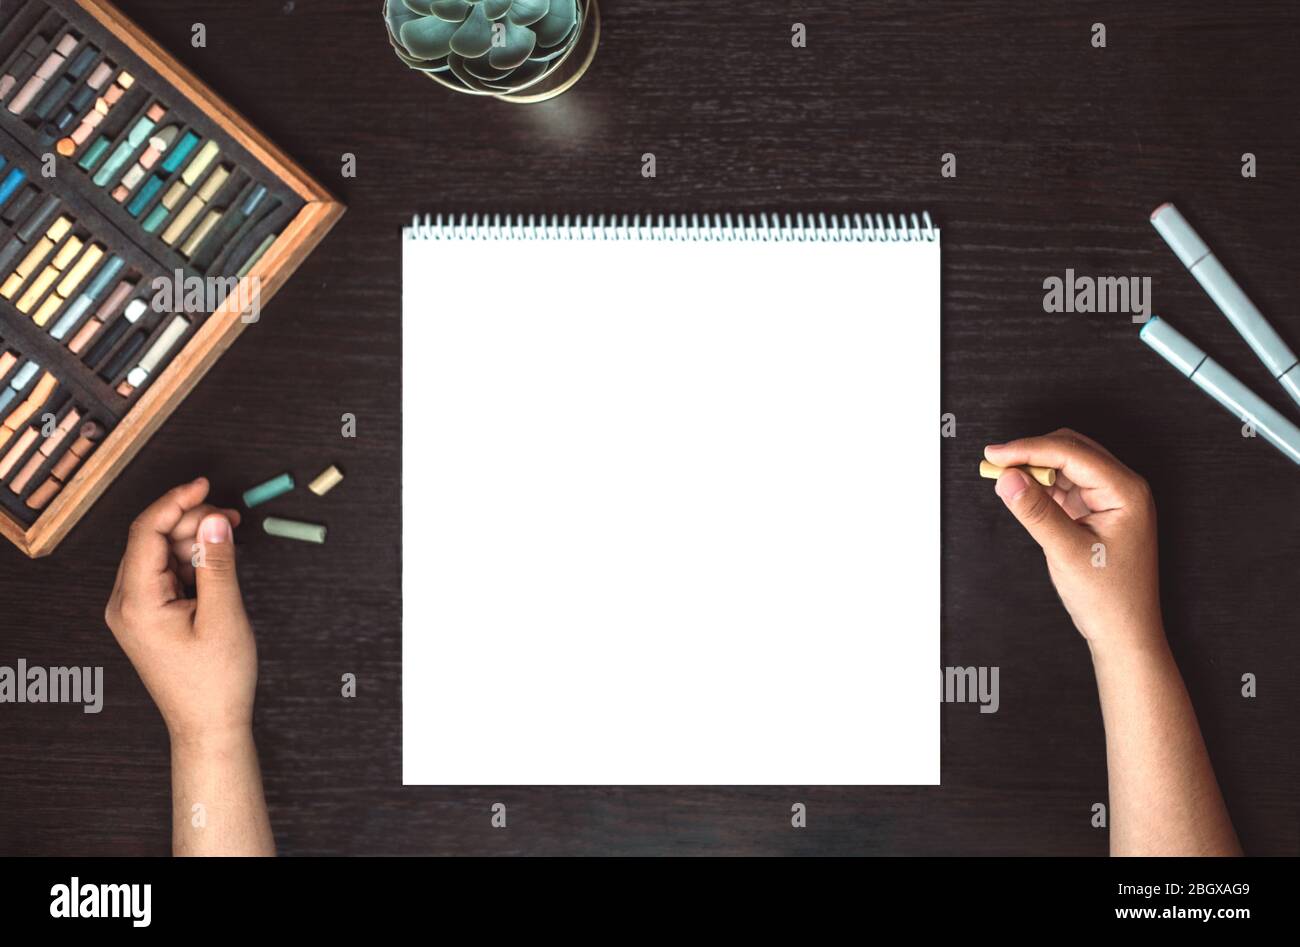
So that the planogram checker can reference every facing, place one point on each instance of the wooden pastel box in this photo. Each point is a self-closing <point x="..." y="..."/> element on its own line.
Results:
<point x="140" y="215"/>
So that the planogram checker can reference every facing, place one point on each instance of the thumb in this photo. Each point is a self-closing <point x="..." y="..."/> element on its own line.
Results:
<point x="1040" y="515"/>
<point x="214" y="567"/>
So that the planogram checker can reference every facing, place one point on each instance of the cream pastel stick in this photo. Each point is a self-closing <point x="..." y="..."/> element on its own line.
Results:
<point x="1044" y="475"/>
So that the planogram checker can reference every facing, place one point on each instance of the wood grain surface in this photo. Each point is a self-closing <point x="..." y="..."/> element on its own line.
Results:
<point x="1062" y="152"/>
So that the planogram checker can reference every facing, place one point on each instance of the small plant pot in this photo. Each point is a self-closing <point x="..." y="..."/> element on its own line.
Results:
<point x="488" y="67"/>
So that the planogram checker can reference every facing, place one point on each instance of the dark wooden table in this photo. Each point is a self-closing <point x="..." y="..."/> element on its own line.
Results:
<point x="1062" y="151"/>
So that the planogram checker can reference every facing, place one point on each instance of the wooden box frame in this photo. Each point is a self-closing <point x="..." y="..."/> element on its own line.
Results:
<point x="218" y="331"/>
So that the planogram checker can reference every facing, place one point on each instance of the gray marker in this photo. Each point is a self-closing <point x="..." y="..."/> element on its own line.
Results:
<point x="1228" y="296"/>
<point x="1215" y="381"/>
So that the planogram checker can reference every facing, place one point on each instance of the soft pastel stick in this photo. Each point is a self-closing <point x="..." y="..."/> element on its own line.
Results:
<point x="276" y="486"/>
<point x="1044" y="475"/>
<point x="11" y="183"/>
<point x="154" y="355"/>
<point x="121" y="293"/>
<point x="39" y="251"/>
<point x="20" y="447"/>
<point x="136" y="137"/>
<point x="257" y="255"/>
<point x="144" y="195"/>
<point x="158" y="145"/>
<point x="83" y="302"/>
<point x="176" y="193"/>
<point x="94" y="153"/>
<point x="44" y="74"/>
<point x="209" y="190"/>
<point x="39" y="218"/>
<point x="327" y="480"/>
<point x="130" y="315"/>
<point x="294" y="529"/>
<point x="103" y="105"/>
<point x="178" y="154"/>
<point x="25" y="61"/>
<point x="72" y="279"/>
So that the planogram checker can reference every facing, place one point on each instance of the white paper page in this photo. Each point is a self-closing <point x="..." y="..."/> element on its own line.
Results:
<point x="670" y="513"/>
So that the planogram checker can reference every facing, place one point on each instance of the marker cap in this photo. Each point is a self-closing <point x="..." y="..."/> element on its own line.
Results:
<point x="1172" y="345"/>
<point x="1178" y="233"/>
<point x="1291" y="382"/>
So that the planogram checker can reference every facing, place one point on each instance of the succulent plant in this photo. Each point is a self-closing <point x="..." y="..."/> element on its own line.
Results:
<point x="487" y="46"/>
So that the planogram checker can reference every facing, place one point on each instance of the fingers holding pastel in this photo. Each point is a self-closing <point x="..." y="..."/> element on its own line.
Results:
<point x="146" y="565"/>
<point x="1102" y="482"/>
<point x="186" y="543"/>
<point x="1040" y="514"/>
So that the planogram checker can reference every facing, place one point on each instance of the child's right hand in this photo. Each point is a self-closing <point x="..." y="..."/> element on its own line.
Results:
<point x="1097" y="529"/>
<point x="196" y="655"/>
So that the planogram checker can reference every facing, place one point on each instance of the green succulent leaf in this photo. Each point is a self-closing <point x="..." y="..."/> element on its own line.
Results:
<point x="428" y="37"/>
<point x="555" y="26"/>
<point x="458" y="69"/>
<point x="519" y="77"/>
<point x="485" y="45"/>
<point x="482" y="69"/>
<point x="518" y="45"/>
<point x="395" y="14"/>
<point x="424" y="65"/>
<point x="474" y="37"/>
<point x="541" y="54"/>
<point x="453" y="10"/>
<point x="528" y="12"/>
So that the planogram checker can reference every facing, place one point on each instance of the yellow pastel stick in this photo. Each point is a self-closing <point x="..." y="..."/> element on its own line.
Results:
<point x="36" y="289"/>
<point x="68" y="285"/>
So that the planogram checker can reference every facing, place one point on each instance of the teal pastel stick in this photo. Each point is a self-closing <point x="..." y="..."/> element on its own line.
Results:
<point x="134" y="139"/>
<point x="94" y="153"/>
<point x="293" y="529"/>
<point x="155" y="218"/>
<point x="276" y="486"/>
<point x="145" y="195"/>
<point x="178" y="154"/>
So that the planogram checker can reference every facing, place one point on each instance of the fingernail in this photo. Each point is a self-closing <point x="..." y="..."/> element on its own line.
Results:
<point x="1011" y="484"/>
<point x="989" y="447"/>
<point x="216" y="530"/>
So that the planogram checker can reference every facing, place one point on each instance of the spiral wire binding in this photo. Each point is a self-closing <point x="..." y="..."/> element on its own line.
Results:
<point x="706" y="228"/>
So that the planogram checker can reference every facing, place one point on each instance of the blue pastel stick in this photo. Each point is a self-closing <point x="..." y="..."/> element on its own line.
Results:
<point x="11" y="184"/>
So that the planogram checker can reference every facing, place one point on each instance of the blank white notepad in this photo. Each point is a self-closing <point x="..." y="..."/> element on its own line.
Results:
<point x="671" y="502"/>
